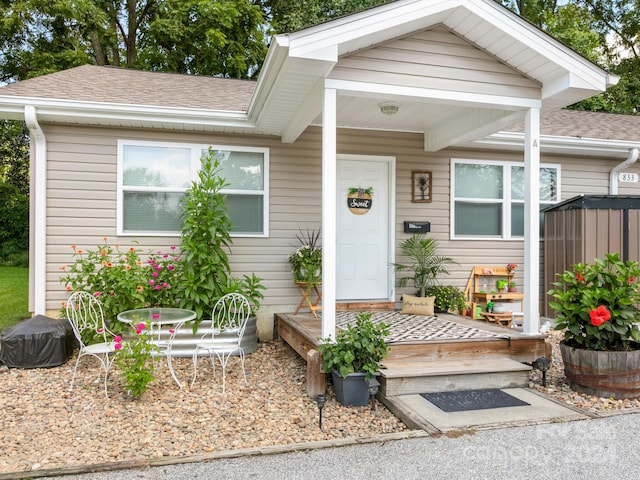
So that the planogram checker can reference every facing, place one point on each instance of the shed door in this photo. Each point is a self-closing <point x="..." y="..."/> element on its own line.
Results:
<point x="363" y="235"/>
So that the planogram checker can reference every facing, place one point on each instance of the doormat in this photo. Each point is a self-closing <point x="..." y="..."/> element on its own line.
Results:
<point x="466" y="400"/>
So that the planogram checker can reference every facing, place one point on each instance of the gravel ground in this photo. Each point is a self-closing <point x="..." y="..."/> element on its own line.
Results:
<point x="44" y="426"/>
<point x="558" y="387"/>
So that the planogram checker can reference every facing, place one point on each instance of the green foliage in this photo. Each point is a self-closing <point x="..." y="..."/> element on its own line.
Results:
<point x="250" y="286"/>
<point x="607" y="283"/>
<point x="14" y="292"/>
<point x="223" y="37"/>
<point x="205" y="241"/>
<point x="133" y="358"/>
<point x="448" y="297"/>
<point x="425" y="266"/>
<point x="358" y="348"/>
<point x="288" y="16"/>
<point x="14" y="193"/>
<point x="122" y="280"/>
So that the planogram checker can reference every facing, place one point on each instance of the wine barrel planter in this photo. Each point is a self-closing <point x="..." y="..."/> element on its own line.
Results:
<point x="604" y="374"/>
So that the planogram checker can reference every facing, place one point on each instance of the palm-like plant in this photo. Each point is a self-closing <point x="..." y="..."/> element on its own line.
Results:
<point x="424" y="264"/>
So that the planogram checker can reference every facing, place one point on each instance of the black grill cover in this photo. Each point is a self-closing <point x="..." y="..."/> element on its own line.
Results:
<point x="37" y="342"/>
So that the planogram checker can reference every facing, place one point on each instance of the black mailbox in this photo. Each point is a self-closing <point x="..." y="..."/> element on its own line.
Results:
<point x="417" y="227"/>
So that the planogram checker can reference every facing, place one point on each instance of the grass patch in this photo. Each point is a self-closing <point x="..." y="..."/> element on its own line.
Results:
<point x="14" y="295"/>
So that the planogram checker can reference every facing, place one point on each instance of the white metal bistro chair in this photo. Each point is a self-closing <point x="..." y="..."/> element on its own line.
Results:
<point x="84" y="312"/>
<point x="228" y="322"/>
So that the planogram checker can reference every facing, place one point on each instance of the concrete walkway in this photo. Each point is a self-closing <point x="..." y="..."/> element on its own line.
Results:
<point x="601" y="448"/>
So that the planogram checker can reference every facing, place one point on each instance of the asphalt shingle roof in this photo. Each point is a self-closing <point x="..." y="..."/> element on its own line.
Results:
<point x="596" y="125"/>
<point x="93" y="83"/>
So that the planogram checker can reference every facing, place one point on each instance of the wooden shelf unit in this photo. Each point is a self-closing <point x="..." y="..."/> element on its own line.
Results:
<point x="481" y="288"/>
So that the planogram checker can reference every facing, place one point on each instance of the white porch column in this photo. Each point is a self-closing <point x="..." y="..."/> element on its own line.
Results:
<point x="329" y="172"/>
<point x="531" y="324"/>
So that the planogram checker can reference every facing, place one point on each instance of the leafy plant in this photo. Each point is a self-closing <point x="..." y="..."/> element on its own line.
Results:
<point x="424" y="264"/>
<point x="306" y="262"/>
<point x="447" y="297"/>
<point x="122" y="279"/>
<point x="133" y="357"/>
<point x="358" y="348"/>
<point x="205" y="241"/>
<point x="250" y="286"/>
<point x="596" y="304"/>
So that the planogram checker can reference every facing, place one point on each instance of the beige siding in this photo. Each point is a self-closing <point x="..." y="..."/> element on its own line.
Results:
<point x="81" y="199"/>
<point x="436" y="59"/>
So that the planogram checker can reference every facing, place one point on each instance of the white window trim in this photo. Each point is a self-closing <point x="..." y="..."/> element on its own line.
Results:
<point x="506" y="201"/>
<point x="196" y="149"/>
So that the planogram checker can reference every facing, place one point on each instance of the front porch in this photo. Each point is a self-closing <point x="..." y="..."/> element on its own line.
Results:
<point x="447" y="346"/>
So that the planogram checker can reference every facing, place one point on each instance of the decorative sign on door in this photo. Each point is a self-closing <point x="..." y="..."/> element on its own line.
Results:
<point x="359" y="200"/>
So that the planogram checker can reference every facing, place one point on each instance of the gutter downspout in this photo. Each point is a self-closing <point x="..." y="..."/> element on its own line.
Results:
<point x="613" y="175"/>
<point x="38" y="222"/>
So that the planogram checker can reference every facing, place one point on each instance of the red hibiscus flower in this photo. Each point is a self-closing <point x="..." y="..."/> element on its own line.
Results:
<point x="599" y="315"/>
<point x="579" y="277"/>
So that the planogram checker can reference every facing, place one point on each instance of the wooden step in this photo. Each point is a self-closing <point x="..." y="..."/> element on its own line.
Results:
<point x="407" y="378"/>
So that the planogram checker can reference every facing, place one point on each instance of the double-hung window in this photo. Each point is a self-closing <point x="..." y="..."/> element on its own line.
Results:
<point x="488" y="197"/>
<point x="153" y="178"/>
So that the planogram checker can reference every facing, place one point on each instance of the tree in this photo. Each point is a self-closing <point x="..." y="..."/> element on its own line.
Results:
<point x="289" y="16"/>
<point x="14" y="192"/>
<point x="605" y="32"/>
<point x="214" y="37"/>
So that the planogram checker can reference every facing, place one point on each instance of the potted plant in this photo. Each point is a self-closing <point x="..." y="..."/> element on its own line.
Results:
<point x="306" y="261"/>
<point x="424" y="265"/>
<point x="596" y="305"/>
<point x="354" y="358"/>
<point x="512" y="286"/>
<point x="448" y="298"/>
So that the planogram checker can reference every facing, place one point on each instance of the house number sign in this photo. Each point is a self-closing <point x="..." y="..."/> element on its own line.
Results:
<point x="359" y="200"/>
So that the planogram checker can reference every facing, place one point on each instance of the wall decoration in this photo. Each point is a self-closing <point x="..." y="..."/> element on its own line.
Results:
<point x="420" y="186"/>
<point x="359" y="200"/>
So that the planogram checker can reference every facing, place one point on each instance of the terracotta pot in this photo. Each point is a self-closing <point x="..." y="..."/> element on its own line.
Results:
<point x="604" y="374"/>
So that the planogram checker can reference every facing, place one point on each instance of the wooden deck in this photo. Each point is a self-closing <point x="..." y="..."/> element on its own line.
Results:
<point x="302" y="332"/>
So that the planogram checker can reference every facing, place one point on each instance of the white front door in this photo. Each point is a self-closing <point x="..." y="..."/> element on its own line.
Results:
<point x="364" y="239"/>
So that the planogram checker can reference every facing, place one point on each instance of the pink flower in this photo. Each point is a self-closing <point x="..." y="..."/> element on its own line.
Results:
<point x="158" y="287"/>
<point x="172" y="331"/>
<point x="154" y="274"/>
<point x="152" y="282"/>
<point x="157" y="267"/>
<point x="170" y="267"/>
<point x="155" y="316"/>
<point x="165" y="256"/>
<point x="97" y="294"/>
<point x="100" y="330"/>
<point x="117" y="339"/>
<point x="173" y="247"/>
<point x="165" y="285"/>
<point x="117" y="346"/>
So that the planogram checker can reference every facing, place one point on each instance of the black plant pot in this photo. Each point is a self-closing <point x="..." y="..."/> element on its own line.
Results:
<point x="352" y="391"/>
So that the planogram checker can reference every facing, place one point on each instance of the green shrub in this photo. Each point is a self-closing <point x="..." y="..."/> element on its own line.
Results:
<point x="448" y="298"/>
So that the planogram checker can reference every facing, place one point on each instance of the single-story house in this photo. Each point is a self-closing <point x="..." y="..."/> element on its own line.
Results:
<point x="462" y="98"/>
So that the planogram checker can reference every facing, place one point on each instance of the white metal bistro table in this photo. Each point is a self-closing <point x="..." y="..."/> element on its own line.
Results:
<point x="158" y="319"/>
